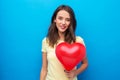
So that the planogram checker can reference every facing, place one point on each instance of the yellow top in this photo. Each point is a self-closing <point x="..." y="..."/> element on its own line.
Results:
<point x="55" y="68"/>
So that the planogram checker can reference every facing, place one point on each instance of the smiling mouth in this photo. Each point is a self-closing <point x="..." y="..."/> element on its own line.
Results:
<point x="63" y="27"/>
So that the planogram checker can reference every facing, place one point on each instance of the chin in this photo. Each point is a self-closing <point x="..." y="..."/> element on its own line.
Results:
<point x="62" y="31"/>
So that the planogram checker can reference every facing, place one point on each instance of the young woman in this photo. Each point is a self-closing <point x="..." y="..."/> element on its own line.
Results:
<point x="62" y="29"/>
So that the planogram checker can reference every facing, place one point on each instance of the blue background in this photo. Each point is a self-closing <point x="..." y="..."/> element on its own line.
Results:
<point x="24" y="23"/>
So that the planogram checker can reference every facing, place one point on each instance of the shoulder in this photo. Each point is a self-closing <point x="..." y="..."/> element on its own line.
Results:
<point x="79" y="39"/>
<point x="45" y="40"/>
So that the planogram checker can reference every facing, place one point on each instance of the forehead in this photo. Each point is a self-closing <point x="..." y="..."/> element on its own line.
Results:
<point x="63" y="13"/>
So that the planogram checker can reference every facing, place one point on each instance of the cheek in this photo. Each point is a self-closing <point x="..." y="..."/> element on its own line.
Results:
<point x="57" y="22"/>
<point x="68" y="24"/>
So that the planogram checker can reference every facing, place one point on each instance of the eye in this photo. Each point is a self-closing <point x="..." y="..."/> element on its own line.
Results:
<point x="67" y="19"/>
<point x="60" y="18"/>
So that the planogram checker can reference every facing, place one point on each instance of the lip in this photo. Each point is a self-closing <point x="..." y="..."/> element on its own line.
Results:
<point x="62" y="27"/>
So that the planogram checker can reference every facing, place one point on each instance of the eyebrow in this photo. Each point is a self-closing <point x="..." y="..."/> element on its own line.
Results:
<point x="61" y="16"/>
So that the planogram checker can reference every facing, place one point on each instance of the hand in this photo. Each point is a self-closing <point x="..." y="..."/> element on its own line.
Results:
<point x="70" y="74"/>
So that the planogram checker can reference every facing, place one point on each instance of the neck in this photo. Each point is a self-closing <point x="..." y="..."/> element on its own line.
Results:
<point x="61" y="35"/>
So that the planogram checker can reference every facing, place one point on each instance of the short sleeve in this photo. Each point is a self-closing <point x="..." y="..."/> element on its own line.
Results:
<point x="80" y="40"/>
<point x="44" y="45"/>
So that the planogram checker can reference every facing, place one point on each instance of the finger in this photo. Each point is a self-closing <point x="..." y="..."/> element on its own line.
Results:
<point x="66" y="71"/>
<point x="70" y="78"/>
<point x="68" y="75"/>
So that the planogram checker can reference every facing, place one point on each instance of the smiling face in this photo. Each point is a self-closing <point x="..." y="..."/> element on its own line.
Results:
<point x="62" y="21"/>
<point x="63" y="25"/>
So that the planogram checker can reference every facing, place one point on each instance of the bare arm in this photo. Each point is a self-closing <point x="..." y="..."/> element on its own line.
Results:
<point x="71" y="74"/>
<point x="44" y="66"/>
<point x="83" y="66"/>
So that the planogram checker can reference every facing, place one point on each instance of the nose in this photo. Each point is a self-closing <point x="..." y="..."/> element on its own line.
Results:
<point x="63" y="21"/>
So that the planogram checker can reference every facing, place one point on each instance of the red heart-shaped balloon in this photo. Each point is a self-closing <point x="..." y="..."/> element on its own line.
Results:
<point x="70" y="54"/>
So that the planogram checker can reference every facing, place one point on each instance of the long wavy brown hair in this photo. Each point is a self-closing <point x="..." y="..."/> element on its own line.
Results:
<point x="53" y="35"/>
